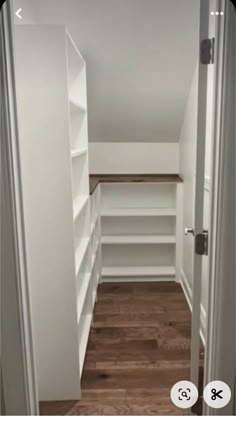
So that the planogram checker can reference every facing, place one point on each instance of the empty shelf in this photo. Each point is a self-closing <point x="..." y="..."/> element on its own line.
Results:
<point x="79" y="204"/>
<point x="82" y="294"/>
<point x="80" y="252"/>
<point x="95" y="254"/>
<point x="93" y="224"/>
<point x="138" y="212"/>
<point x="74" y="54"/>
<point x="138" y="271"/>
<point x="138" y="239"/>
<point x="83" y="340"/>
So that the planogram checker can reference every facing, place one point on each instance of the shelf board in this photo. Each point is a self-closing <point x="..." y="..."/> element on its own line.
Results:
<point x="80" y="252"/>
<point x="82" y="294"/>
<point x="94" y="297"/>
<point x="138" y="239"/>
<point x="138" y="271"/>
<point x="95" y="254"/>
<point x="92" y="227"/>
<point x="83" y="341"/>
<point x="138" y="212"/>
<point x="78" y="152"/>
<point x="93" y="224"/>
<point x="74" y="50"/>
<point x="76" y="106"/>
<point x="78" y="205"/>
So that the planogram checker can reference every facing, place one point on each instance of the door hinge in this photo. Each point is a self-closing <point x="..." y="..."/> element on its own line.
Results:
<point x="207" y="51"/>
<point x="201" y="243"/>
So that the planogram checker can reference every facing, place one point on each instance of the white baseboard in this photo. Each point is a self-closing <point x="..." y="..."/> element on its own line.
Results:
<point x="188" y="295"/>
<point x="124" y="279"/>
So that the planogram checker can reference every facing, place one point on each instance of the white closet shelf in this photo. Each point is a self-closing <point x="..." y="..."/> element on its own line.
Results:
<point x="73" y="51"/>
<point x="80" y="252"/>
<point x="95" y="254"/>
<point x="121" y="271"/>
<point x="93" y="224"/>
<point x="82" y="294"/>
<point x="138" y="239"/>
<point x="94" y="297"/>
<point x="83" y="340"/>
<point x="138" y="212"/>
<point x="77" y="106"/>
<point x="78" y="205"/>
<point x="78" y="152"/>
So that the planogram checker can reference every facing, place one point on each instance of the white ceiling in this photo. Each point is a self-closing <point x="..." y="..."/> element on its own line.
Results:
<point x="140" y="55"/>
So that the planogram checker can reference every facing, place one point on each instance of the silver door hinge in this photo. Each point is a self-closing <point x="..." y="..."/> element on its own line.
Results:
<point x="207" y="51"/>
<point x="201" y="243"/>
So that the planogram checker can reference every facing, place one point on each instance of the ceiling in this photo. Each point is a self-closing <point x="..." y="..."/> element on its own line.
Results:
<point x="141" y="56"/>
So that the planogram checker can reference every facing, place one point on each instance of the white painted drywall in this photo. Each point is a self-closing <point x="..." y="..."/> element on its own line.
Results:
<point x="133" y="158"/>
<point x="140" y="59"/>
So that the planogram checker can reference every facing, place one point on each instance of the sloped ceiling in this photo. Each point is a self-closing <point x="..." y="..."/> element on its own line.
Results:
<point x="140" y="55"/>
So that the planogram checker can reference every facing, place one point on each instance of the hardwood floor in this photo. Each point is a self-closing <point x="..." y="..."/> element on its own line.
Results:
<point x="139" y="346"/>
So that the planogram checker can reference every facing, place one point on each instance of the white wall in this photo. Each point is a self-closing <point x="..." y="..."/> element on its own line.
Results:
<point x="140" y="56"/>
<point x="133" y="158"/>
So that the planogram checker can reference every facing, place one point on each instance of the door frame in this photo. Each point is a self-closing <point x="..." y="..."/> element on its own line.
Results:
<point x="199" y="192"/>
<point x="220" y="343"/>
<point x="18" y="372"/>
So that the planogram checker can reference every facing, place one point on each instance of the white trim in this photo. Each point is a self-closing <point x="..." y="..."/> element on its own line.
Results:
<point x="220" y="346"/>
<point x="27" y="404"/>
<point x="188" y="295"/>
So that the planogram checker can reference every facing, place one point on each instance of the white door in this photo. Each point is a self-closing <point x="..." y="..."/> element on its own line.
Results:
<point x="206" y="45"/>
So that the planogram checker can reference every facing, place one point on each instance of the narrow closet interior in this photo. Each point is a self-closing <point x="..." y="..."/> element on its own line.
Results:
<point x="104" y="210"/>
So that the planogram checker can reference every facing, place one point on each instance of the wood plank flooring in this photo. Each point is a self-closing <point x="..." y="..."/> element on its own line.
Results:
<point x="139" y="346"/>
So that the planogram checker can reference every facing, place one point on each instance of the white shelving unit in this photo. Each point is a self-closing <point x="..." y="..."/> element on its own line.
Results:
<point x="85" y="210"/>
<point x="140" y="227"/>
<point x="63" y="254"/>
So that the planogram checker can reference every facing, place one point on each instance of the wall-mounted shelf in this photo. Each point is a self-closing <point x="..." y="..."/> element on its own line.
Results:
<point x="139" y="225"/>
<point x="82" y="295"/>
<point x="138" y="239"/>
<point x="84" y="340"/>
<point x="78" y="205"/>
<point x="80" y="252"/>
<point x="63" y="290"/>
<point x="138" y="212"/>
<point x="85" y="211"/>
<point x="138" y="271"/>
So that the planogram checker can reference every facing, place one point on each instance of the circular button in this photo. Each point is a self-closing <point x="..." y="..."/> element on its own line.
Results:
<point x="184" y="394"/>
<point x="217" y="394"/>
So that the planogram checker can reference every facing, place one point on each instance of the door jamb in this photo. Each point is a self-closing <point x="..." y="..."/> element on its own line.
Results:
<point x="22" y="310"/>
<point x="216" y="367"/>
